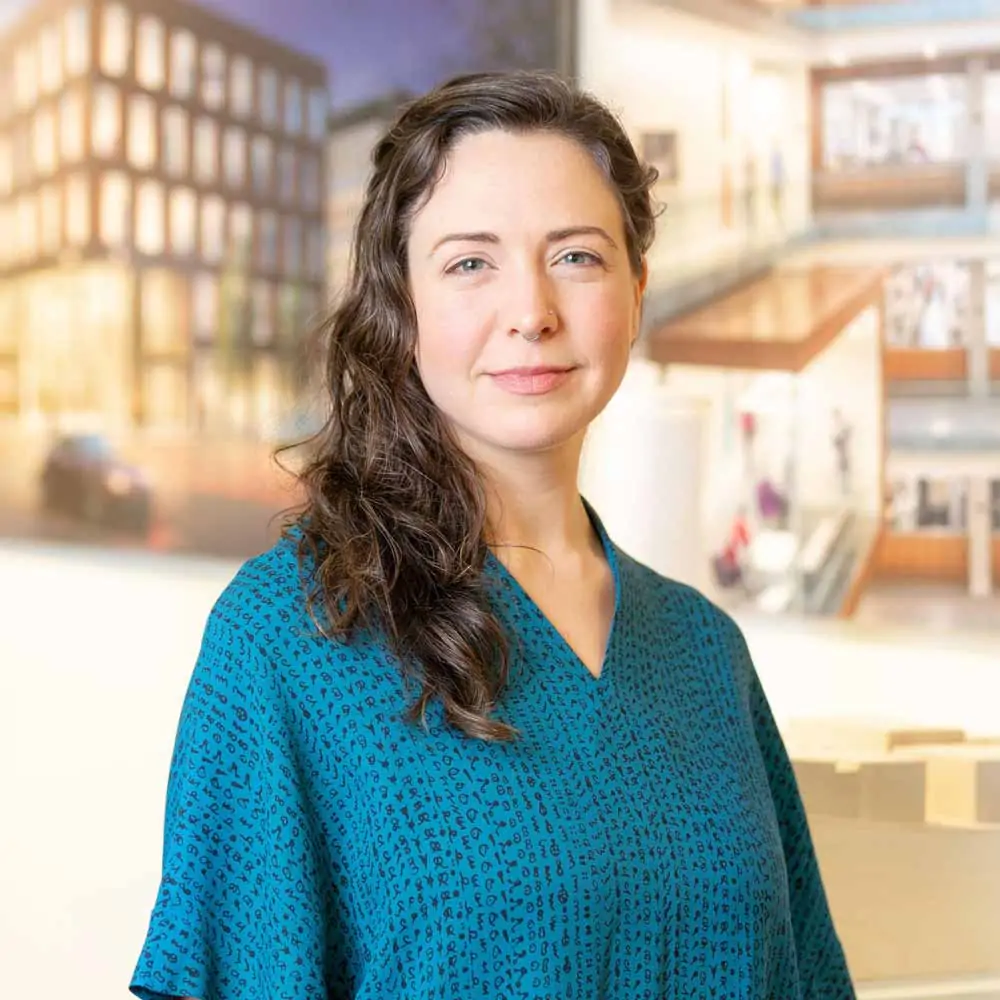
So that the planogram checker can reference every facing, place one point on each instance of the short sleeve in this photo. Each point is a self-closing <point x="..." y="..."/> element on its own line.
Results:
<point x="822" y="966"/>
<point x="244" y="908"/>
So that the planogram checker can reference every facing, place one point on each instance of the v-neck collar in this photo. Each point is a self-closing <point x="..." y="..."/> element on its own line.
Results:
<point x="495" y="568"/>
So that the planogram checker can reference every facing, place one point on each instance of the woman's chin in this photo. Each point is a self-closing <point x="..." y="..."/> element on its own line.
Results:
<point x="523" y="437"/>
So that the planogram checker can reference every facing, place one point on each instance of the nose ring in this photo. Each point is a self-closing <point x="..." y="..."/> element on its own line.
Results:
<point x="536" y="335"/>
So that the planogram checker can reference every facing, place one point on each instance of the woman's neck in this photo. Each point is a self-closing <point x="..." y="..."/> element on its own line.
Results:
<point x="533" y="503"/>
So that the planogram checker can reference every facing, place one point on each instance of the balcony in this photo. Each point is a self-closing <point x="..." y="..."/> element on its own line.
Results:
<point x="918" y="13"/>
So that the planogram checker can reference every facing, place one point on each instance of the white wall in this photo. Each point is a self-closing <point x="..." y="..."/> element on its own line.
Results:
<point x="643" y="470"/>
<point x="662" y="70"/>
<point x="847" y="375"/>
<point x="794" y="418"/>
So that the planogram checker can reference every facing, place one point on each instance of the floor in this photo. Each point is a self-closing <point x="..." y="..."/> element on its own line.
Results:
<point x="939" y="608"/>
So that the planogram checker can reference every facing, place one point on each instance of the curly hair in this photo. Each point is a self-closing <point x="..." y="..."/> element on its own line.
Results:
<point x="394" y="525"/>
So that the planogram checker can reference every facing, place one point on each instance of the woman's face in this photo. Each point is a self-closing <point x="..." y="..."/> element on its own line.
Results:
<point x="522" y="236"/>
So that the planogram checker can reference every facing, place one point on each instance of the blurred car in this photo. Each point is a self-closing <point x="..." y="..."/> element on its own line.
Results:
<point x="83" y="476"/>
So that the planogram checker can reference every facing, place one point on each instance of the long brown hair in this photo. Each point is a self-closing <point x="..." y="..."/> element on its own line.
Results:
<point x="393" y="527"/>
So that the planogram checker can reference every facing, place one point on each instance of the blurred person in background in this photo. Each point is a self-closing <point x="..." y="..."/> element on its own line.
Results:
<point x="446" y="739"/>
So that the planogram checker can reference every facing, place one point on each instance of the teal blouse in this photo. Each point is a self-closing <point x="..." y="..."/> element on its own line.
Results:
<point x="644" y="838"/>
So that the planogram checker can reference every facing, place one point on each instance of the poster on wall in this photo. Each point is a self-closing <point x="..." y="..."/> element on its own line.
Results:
<point x="147" y="385"/>
<point x="659" y="149"/>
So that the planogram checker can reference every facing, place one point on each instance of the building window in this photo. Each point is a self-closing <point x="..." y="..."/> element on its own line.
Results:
<point x="116" y="208"/>
<point x="8" y="224"/>
<point x="213" y="77"/>
<point x="50" y="219"/>
<point x="25" y="78"/>
<point x="240" y="233"/>
<point x="267" y="97"/>
<point x="309" y="181"/>
<point x="317" y="113"/>
<point x="142" y="132"/>
<point x="183" y="221"/>
<point x="234" y="156"/>
<point x="161" y="308"/>
<point x="183" y="54"/>
<point x="240" y="86"/>
<point x="286" y="325"/>
<point x="150" y="59"/>
<point x="286" y="174"/>
<point x="72" y="141"/>
<point x="213" y="228"/>
<point x="50" y="58"/>
<point x="291" y="252"/>
<point x="896" y="121"/>
<point x="206" y="152"/>
<point x="267" y="241"/>
<point x="991" y="116"/>
<point x="78" y="210"/>
<point x="76" y="36"/>
<point x="293" y="107"/>
<point x="175" y="141"/>
<point x="116" y="40"/>
<point x="205" y="306"/>
<point x="21" y="148"/>
<point x="938" y="505"/>
<point x="27" y="228"/>
<point x="45" y="142"/>
<point x="6" y="91"/>
<point x="106" y="125"/>
<point x="149" y="217"/>
<point x="6" y="165"/>
<point x="316" y="252"/>
<point x="263" y="313"/>
<point x="261" y="164"/>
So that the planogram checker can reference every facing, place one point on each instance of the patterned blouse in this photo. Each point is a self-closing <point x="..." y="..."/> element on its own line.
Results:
<point x="642" y="838"/>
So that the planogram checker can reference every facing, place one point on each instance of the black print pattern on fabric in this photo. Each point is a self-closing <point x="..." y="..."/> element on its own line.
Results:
<point x="643" y="839"/>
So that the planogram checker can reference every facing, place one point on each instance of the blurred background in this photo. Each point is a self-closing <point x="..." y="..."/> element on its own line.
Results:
<point x="810" y="431"/>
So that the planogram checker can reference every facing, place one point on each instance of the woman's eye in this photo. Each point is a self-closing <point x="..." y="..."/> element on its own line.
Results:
<point x="579" y="257"/>
<point x="469" y="265"/>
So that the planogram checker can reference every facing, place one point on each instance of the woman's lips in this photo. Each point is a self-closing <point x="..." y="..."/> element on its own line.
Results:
<point x="534" y="381"/>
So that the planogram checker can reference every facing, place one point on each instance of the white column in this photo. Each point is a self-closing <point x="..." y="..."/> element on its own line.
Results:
<point x="978" y="350"/>
<point x="980" y="540"/>
<point x="977" y="163"/>
<point x="643" y="470"/>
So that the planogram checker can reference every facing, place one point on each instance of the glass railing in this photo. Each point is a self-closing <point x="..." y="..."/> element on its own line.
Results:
<point x="703" y="245"/>
<point x="892" y="15"/>
<point x="949" y="425"/>
<point x="956" y="443"/>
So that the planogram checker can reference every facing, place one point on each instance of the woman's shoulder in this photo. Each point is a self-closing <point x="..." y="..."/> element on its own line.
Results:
<point x="267" y="589"/>
<point x="664" y="596"/>
<point x="265" y="611"/>
<point x="681" y="616"/>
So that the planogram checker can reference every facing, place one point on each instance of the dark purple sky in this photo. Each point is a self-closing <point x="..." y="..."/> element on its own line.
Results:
<point x="369" y="46"/>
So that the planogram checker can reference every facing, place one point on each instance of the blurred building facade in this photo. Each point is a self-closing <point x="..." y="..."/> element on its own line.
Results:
<point x="161" y="176"/>
<point x="352" y="138"/>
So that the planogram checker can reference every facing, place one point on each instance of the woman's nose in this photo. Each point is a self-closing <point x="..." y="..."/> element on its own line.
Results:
<point x="533" y="314"/>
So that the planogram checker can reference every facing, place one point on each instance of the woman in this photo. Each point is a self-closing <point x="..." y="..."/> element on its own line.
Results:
<point x="445" y="739"/>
